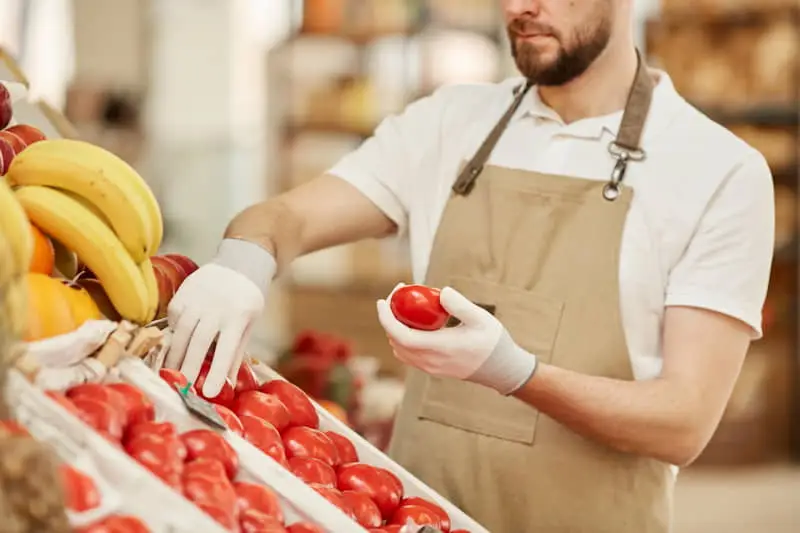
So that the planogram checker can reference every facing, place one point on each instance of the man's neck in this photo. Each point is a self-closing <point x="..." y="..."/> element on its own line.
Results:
<point x="601" y="90"/>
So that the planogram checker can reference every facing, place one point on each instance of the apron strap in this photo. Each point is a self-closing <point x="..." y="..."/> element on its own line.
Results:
<point x="466" y="178"/>
<point x="626" y="147"/>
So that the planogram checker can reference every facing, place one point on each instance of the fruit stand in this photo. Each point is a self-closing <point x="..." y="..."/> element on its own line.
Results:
<point x="136" y="447"/>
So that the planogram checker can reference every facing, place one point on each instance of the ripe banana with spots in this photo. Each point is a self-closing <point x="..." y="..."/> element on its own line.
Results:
<point x="100" y="178"/>
<point x="77" y="227"/>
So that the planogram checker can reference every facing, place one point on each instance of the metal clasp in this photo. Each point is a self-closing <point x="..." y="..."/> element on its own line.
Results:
<point x="623" y="155"/>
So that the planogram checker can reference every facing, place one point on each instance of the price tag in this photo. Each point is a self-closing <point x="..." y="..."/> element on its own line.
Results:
<point x="429" y="529"/>
<point x="200" y="408"/>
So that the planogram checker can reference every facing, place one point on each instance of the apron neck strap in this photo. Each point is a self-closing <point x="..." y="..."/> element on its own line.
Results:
<point x="626" y="146"/>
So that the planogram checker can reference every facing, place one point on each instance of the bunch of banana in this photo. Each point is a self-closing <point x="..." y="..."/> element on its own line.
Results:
<point x="95" y="204"/>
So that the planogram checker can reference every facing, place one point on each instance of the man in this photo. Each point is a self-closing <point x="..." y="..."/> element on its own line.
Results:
<point x="605" y="246"/>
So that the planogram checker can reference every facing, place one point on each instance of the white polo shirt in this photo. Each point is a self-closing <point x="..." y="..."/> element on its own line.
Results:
<point x="700" y="230"/>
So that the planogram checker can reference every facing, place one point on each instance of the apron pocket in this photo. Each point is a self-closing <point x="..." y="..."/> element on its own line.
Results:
<point x="533" y="322"/>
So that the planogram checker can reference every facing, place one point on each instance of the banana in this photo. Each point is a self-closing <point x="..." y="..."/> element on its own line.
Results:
<point x="95" y="244"/>
<point x="16" y="231"/>
<point x="90" y="152"/>
<point x="109" y="190"/>
<point x="149" y="276"/>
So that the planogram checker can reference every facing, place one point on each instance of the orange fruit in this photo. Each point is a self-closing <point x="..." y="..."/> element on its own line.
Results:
<point x="44" y="255"/>
<point x="49" y="308"/>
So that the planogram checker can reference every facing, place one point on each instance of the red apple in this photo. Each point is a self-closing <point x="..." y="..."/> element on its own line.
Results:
<point x="14" y="140"/>
<point x="172" y="270"/>
<point x="6" y="155"/>
<point x="27" y="133"/>
<point x="166" y="287"/>
<point x="187" y="265"/>
<point x="5" y="106"/>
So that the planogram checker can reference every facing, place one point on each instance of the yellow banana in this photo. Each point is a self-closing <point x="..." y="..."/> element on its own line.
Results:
<point x="109" y="190"/>
<point x="95" y="244"/>
<point x="16" y="231"/>
<point x="90" y="152"/>
<point x="151" y="283"/>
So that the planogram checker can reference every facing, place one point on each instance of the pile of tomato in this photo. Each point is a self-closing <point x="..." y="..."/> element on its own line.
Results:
<point x="279" y="419"/>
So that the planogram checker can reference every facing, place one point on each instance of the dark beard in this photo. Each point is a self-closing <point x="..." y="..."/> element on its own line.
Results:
<point x="570" y="63"/>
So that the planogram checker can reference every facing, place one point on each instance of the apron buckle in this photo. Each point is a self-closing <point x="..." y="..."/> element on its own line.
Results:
<point x="623" y="155"/>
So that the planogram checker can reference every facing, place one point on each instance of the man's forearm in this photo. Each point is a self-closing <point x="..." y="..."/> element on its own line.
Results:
<point x="273" y="226"/>
<point x="650" y="417"/>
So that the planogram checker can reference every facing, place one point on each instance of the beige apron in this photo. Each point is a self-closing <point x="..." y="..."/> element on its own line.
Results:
<point x="544" y="251"/>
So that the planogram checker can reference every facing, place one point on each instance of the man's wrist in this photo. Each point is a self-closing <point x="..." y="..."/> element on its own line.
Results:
<point x="249" y="259"/>
<point x="507" y="369"/>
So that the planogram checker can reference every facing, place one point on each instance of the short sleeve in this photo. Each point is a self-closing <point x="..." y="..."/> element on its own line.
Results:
<point x="726" y="266"/>
<point x="384" y="166"/>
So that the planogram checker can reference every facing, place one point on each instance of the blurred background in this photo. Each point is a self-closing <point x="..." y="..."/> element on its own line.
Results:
<point x="222" y="102"/>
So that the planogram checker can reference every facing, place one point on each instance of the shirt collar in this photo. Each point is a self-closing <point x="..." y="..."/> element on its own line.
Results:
<point x="662" y="108"/>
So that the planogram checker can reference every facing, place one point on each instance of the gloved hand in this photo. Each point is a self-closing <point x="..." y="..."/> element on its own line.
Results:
<point x="219" y="301"/>
<point x="478" y="350"/>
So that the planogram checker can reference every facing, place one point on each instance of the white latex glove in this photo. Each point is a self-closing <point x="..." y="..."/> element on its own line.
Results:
<point x="219" y="302"/>
<point x="478" y="350"/>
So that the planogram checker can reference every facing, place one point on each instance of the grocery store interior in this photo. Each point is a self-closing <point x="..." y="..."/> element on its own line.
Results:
<point x="220" y="103"/>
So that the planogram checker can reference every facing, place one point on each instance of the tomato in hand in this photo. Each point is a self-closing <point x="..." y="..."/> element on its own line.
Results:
<point x="419" y="514"/>
<point x="418" y="307"/>
<point x="307" y="442"/>
<point x="226" y="394"/>
<point x="301" y="410"/>
<point x="230" y="419"/>
<point x="267" y="407"/>
<point x="378" y="483"/>
<point x="346" y="450"/>
<point x="80" y="491"/>
<point x="211" y="445"/>
<point x="258" y="497"/>
<point x="245" y="379"/>
<point x="254" y="521"/>
<point x="175" y="379"/>
<point x="441" y="514"/>
<point x="303" y="527"/>
<point x="313" y="471"/>
<point x="265" y="437"/>
<point x="363" y="508"/>
<point x="104" y="417"/>
<point x="138" y="407"/>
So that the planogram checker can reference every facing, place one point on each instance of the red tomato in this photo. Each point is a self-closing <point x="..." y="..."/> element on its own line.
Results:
<point x="265" y="437"/>
<point x="254" y="521"/>
<point x="230" y="419"/>
<point x="226" y="394"/>
<point x="163" y="429"/>
<point x="206" y="443"/>
<point x="335" y="497"/>
<point x="418" y="307"/>
<point x="14" y="427"/>
<point x="441" y="514"/>
<point x="307" y="442"/>
<point x="301" y="410"/>
<point x="102" y="393"/>
<point x="363" y="508"/>
<point x="222" y="516"/>
<point x="138" y="407"/>
<point x="63" y="401"/>
<point x="303" y="527"/>
<point x="207" y="468"/>
<point x="386" y="529"/>
<point x="175" y="378"/>
<point x="101" y="415"/>
<point x="117" y="524"/>
<point x="264" y="406"/>
<point x="163" y="456"/>
<point x="347" y="452"/>
<point x="245" y="379"/>
<point x="419" y="514"/>
<point x="313" y="471"/>
<point x="80" y="492"/>
<point x="258" y="497"/>
<point x="205" y="482"/>
<point x="377" y="483"/>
